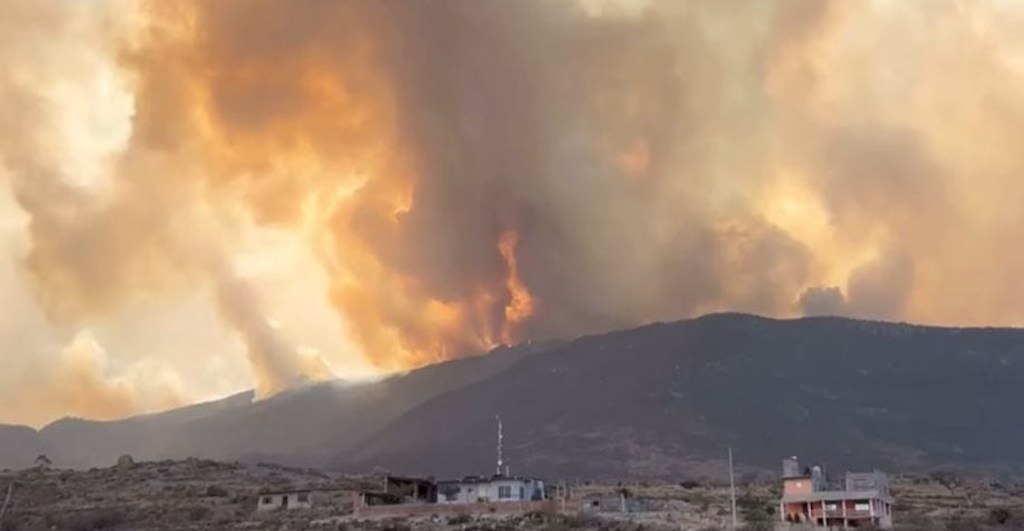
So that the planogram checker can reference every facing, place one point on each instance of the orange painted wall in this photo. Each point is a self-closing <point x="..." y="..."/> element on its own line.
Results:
<point x="798" y="486"/>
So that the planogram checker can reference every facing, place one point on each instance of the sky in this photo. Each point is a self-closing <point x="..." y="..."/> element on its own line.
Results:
<point x="198" y="198"/>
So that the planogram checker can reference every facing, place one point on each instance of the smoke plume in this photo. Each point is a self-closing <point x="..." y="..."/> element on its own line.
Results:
<point x="407" y="182"/>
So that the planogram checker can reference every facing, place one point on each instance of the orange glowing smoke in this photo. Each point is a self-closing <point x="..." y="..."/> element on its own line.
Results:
<point x="390" y="147"/>
<point x="635" y="161"/>
<point x="520" y="305"/>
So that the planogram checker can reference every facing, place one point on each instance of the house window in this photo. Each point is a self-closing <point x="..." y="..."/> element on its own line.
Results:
<point x="832" y="506"/>
<point x="862" y="507"/>
<point x="303" y="498"/>
<point x="267" y="500"/>
<point x="522" y="493"/>
<point x="451" y="492"/>
<point x="504" y="492"/>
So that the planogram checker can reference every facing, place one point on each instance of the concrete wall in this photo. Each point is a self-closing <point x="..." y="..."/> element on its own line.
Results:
<point x="521" y="490"/>
<point x="295" y="500"/>
<point x="834" y="511"/>
<point x="453" y="509"/>
<point x="798" y="486"/>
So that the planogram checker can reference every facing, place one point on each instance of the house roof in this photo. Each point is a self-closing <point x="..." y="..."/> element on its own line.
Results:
<point x="407" y="479"/>
<point x="303" y="491"/>
<point x="477" y="480"/>
<point x="279" y="492"/>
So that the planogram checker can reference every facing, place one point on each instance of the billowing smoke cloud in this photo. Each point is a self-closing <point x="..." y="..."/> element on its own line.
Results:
<point x="78" y="384"/>
<point x="878" y="289"/>
<point x="461" y="174"/>
<point x="823" y="301"/>
<point x="276" y="365"/>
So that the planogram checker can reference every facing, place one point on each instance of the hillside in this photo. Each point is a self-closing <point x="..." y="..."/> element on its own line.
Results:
<point x="655" y="400"/>
<point x="658" y="401"/>
<point x="301" y="426"/>
<point x="164" y="495"/>
<point x="19" y="445"/>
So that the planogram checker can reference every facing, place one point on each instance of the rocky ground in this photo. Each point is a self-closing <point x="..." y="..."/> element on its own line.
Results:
<point x="206" y="495"/>
<point x="189" y="494"/>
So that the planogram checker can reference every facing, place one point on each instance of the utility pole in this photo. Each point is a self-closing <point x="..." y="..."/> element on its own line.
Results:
<point x="732" y="489"/>
<point x="7" y="500"/>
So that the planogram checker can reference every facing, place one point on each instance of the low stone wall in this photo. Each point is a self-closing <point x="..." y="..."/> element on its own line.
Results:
<point x="413" y="510"/>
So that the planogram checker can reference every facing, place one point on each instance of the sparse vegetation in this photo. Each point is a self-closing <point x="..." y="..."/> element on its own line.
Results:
<point x="755" y="510"/>
<point x="204" y="496"/>
<point x="690" y="484"/>
<point x="999" y="516"/>
<point x="216" y="491"/>
<point x="198" y="512"/>
<point x="92" y="520"/>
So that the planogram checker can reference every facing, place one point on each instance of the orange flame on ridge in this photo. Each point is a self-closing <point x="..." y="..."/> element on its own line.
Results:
<point x="521" y="304"/>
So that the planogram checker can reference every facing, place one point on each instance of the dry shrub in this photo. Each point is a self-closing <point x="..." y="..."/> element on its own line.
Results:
<point x="216" y="491"/>
<point x="92" y="520"/>
<point x="197" y="513"/>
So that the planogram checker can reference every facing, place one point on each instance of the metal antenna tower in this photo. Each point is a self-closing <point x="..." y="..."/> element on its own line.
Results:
<point x="500" y="439"/>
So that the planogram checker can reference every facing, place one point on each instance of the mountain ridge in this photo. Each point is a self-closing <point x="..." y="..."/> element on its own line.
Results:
<point x="661" y="399"/>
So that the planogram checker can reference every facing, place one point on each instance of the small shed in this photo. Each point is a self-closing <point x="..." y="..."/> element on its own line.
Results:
<point x="286" y="500"/>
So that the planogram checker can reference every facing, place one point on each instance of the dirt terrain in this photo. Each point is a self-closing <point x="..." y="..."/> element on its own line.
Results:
<point x="206" y="495"/>
<point x="189" y="494"/>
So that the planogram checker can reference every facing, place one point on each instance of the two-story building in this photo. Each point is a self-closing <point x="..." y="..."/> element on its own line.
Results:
<point x="863" y="501"/>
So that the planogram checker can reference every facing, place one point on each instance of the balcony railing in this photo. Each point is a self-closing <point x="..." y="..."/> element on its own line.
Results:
<point x="838" y="513"/>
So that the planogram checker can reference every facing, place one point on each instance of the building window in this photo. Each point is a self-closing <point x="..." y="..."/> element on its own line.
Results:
<point x="267" y="500"/>
<point x="832" y="506"/>
<point x="303" y="498"/>
<point x="522" y="493"/>
<point x="862" y="507"/>
<point x="504" y="492"/>
<point x="450" y="492"/>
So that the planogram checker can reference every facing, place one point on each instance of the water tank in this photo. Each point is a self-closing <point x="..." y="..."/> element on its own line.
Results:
<point x="791" y="467"/>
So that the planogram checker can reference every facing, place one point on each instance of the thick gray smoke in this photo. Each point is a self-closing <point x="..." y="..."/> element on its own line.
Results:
<point x="470" y="172"/>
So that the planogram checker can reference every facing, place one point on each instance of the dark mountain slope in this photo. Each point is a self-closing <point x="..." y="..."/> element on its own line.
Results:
<point x="654" y="400"/>
<point x="87" y="443"/>
<point x="662" y="400"/>
<point x="302" y="426"/>
<point x="19" y="446"/>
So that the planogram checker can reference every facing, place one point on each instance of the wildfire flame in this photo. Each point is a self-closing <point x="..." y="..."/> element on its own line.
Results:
<point x="355" y="170"/>
<point x="521" y="304"/>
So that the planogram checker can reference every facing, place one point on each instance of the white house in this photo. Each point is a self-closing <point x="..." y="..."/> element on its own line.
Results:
<point x="492" y="489"/>
<point x="294" y="499"/>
